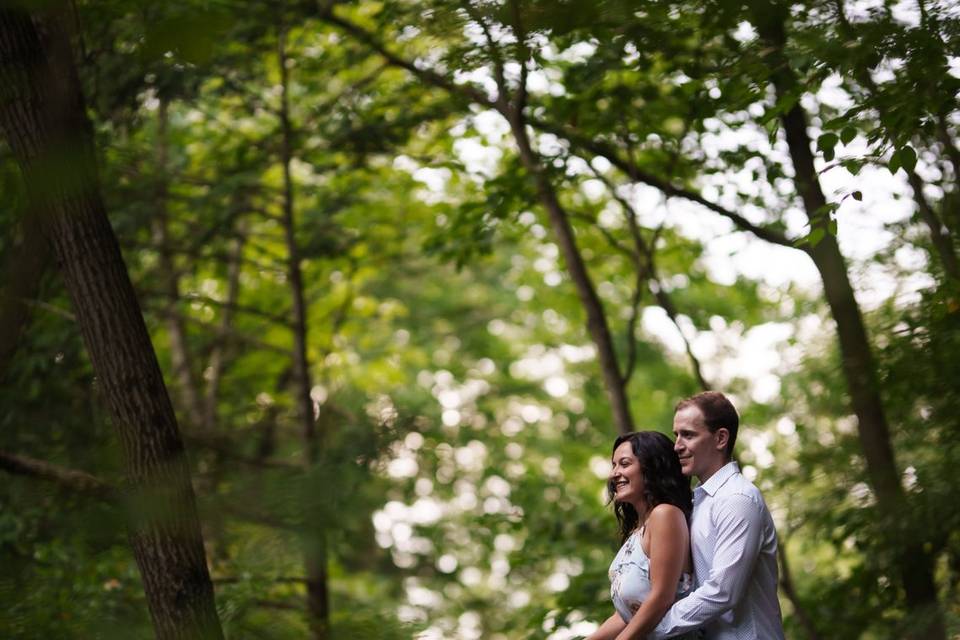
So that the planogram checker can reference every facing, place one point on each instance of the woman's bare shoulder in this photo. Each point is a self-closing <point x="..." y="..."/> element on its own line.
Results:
<point x="666" y="516"/>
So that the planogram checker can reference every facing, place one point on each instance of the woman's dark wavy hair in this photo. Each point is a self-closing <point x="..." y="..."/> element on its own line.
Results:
<point x="663" y="480"/>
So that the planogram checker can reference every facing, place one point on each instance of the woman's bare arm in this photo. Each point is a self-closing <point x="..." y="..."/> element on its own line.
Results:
<point x="669" y="548"/>
<point x="609" y="630"/>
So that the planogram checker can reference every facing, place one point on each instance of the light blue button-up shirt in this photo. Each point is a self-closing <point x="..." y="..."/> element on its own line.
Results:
<point x="734" y="548"/>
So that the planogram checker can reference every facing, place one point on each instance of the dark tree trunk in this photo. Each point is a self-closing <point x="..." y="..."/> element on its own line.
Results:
<point x="597" y="325"/>
<point x="914" y="564"/>
<point x="315" y="557"/>
<point x="28" y="261"/>
<point x="43" y="118"/>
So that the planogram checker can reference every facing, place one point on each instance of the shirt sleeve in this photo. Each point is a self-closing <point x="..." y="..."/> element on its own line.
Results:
<point x="739" y="525"/>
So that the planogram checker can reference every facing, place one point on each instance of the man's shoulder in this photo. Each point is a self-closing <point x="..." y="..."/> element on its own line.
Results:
<point x="738" y="485"/>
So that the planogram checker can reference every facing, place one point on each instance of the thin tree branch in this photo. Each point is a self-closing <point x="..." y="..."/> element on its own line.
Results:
<point x="221" y="446"/>
<point x="941" y="242"/>
<point x="427" y="75"/>
<point x="789" y="590"/>
<point x="523" y="57"/>
<point x="283" y="321"/>
<point x="276" y="604"/>
<point x="52" y="308"/>
<point x="635" y="173"/>
<point x="631" y="330"/>
<point x="235" y="334"/>
<point x="73" y="479"/>
<point x="498" y="66"/>
<point x="649" y="273"/>
<point x="259" y="579"/>
<point x="217" y="360"/>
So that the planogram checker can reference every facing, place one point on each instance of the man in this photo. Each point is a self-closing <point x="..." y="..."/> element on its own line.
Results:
<point x="732" y="536"/>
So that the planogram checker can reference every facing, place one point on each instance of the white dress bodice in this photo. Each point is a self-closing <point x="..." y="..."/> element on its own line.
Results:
<point x="630" y="578"/>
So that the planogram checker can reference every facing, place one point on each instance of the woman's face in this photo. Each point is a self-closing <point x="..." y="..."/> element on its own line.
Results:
<point x="626" y="476"/>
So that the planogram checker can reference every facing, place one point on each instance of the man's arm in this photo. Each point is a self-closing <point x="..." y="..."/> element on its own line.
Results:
<point x="739" y="527"/>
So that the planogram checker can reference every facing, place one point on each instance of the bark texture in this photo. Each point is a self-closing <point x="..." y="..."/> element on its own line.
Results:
<point x="43" y="118"/>
<point x="912" y="561"/>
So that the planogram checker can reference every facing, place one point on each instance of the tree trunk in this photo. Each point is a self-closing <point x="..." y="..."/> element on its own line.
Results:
<point x="942" y="242"/>
<point x="913" y="563"/>
<point x="597" y="325"/>
<point x="25" y="267"/>
<point x="42" y="115"/>
<point x="315" y="557"/>
<point x="217" y="361"/>
<point x="186" y="387"/>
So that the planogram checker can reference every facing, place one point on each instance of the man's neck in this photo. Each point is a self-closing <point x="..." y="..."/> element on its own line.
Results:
<point x="713" y="469"/>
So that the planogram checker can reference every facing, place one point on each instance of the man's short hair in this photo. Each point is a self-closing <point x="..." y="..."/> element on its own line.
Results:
<point x="718" y="412"/>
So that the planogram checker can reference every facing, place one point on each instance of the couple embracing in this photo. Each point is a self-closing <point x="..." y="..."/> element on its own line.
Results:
<point x="700" y="565"/>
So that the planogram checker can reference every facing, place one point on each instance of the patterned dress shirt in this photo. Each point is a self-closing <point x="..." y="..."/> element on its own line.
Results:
<point x="734" y="549"/>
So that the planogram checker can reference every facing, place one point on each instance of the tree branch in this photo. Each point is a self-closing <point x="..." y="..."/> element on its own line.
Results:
<point x="786" y="585"/>
<point x="427" y="75"/>
<point x="73" y="479"/>
<point x="630" y="169"/>
<point x="649" y="273"/>
<point x="520" y="99"/>
<point x="498" y="73"/>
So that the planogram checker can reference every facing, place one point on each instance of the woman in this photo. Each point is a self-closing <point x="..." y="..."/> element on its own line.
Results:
<point x="652" y="502"/>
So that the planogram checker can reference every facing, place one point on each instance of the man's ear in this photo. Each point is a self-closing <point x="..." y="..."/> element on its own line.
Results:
<point x="722" y="436"/>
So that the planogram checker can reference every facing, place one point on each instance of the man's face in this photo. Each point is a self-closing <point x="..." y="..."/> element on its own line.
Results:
<point x="701" y="453"/>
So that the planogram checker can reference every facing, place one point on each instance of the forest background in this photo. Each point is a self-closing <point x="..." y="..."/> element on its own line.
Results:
<point x="407" y="269"/>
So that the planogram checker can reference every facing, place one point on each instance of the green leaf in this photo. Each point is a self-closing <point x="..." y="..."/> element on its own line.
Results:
<point x="853" y="165"/>
<point x="857" y="195"/>
<point x="908" y="158"/>
<point x="816" y="236"/>
<point x="826" y="144"/>
<point x="772" y="126"/>
<point x="847" y="135"/>
<point x="894" y="164"/>
<point x="827" y="141"/>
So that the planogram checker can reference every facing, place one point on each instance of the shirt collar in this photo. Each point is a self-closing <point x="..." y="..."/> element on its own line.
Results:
<point x="719" y="478"/>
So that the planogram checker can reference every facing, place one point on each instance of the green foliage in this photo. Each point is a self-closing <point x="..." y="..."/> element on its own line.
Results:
<point x="462" y="423"/>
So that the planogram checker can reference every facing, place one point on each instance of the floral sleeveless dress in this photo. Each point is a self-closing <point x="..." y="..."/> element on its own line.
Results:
<point x="630" y="580"/>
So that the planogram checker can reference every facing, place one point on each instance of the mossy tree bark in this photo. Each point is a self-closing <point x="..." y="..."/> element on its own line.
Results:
<point x="44" y="121"/>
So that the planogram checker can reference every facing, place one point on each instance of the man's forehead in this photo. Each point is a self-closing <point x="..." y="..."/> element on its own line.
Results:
<point x="689" y="417"/>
